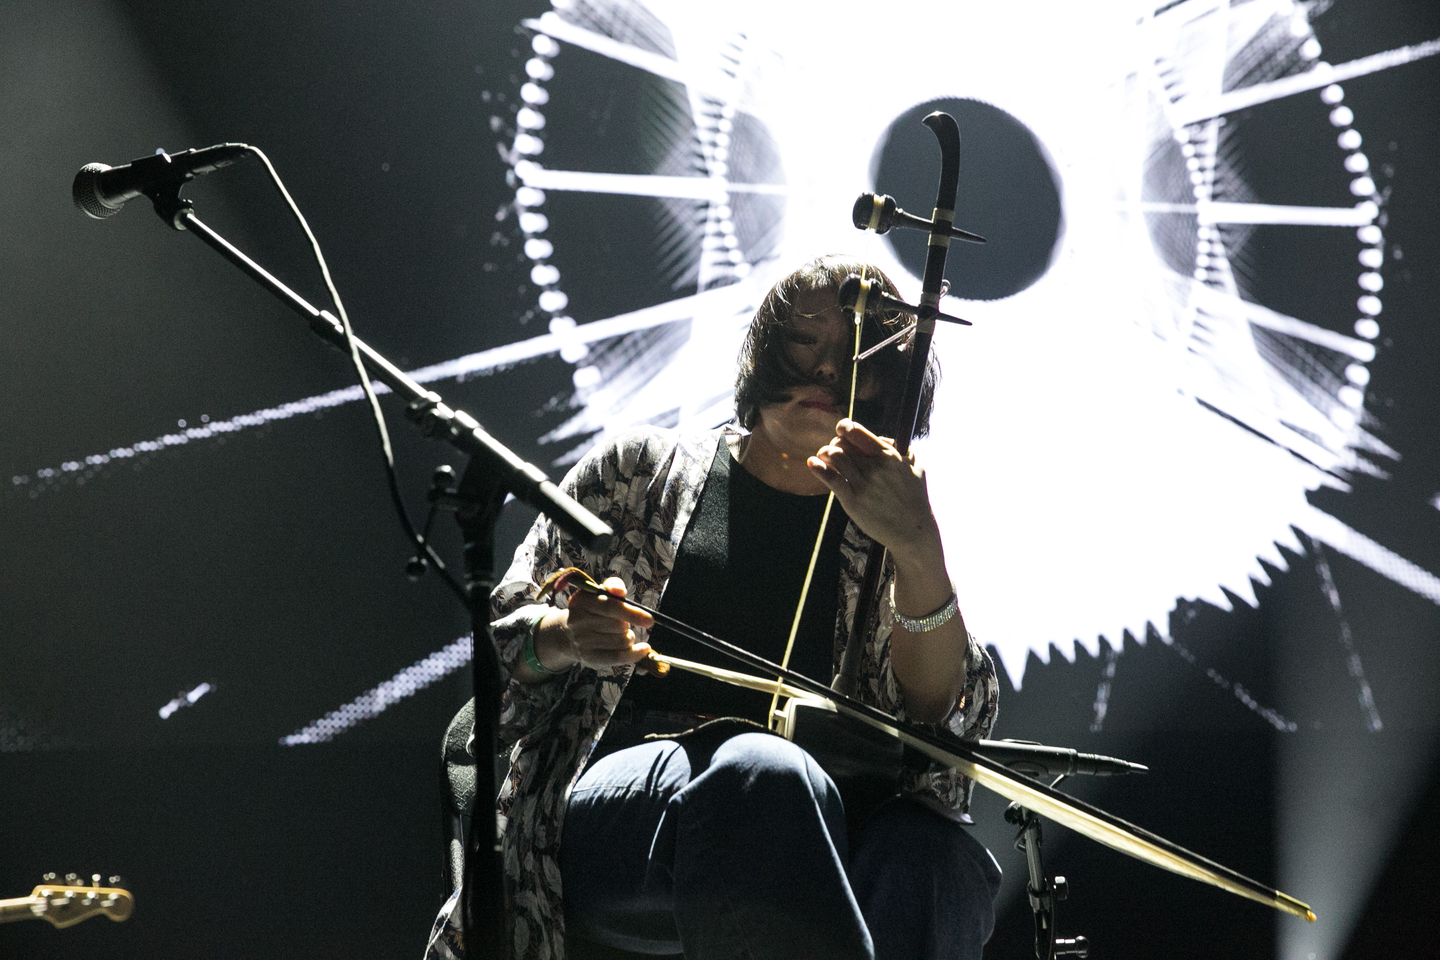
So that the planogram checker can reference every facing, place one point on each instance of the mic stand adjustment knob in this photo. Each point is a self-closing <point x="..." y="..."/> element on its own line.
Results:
<point x="1044" y="893"/>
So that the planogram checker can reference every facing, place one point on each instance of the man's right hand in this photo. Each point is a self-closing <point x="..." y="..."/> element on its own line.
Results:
<point x="595" y="631"/>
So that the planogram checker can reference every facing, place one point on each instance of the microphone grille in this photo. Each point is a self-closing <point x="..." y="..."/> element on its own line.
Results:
<point x="873" y="212"/>
<point x="86" y="192"/>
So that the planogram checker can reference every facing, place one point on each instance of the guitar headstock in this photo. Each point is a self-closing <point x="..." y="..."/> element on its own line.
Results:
<point x="66" y="904"/>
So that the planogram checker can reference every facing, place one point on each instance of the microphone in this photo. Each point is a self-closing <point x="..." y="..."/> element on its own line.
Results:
<point x="100" y="190"/>
<point x="877" y="300"/>
<point x="879" y="213"/>
<point x="1036" y="760"/>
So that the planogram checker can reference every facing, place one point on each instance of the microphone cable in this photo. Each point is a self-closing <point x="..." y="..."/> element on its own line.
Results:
<point x="422" y="543"/>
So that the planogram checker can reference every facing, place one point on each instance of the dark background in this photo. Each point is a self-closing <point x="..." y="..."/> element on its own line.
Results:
<point x="270" y="565"/>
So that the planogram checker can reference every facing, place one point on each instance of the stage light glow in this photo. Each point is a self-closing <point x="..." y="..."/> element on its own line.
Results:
<point x="1342" y="798"/>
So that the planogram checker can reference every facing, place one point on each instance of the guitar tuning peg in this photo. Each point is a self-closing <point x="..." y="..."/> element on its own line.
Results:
<point x="94" y="879"/>
<point x="71" y="879"/>
<point x="49" y="877"/>
<point x="116" y="880"/>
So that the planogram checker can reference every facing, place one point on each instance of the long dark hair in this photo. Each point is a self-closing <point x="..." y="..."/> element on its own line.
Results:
<point x="766" y="375"/>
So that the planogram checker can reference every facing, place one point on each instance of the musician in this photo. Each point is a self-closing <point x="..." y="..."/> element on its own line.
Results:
<point x="730" y="841"/>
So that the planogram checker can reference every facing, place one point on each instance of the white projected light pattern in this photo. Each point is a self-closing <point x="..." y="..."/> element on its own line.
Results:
<point x="1106" y="474"/>
<point x="371" y="703"/>
<point x="1135" y="427"/>
<point x="184" y="700"/>
<point x="1099" y="475"/>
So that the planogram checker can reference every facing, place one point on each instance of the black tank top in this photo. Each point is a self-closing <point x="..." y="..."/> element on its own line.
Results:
<point x="738" y="576"/>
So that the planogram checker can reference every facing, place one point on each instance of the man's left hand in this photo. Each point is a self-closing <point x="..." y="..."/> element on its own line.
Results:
<point x="883" y="492"/>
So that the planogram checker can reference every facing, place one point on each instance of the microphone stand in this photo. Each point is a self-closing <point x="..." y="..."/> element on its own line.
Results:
<point x="1044" y="893"/>
<point x="494" y="471"/>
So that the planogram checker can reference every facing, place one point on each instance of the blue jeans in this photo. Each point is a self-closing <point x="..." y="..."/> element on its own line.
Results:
<point x="744" y="853"/>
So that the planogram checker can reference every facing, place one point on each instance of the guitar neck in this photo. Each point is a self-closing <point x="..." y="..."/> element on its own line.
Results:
<point x="21" y="908"/>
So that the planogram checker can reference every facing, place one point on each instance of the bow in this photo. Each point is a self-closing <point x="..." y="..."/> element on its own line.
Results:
<point x="951" y="751"/>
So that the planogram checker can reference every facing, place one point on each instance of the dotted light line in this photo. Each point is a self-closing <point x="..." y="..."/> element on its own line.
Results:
<point x="1347" y="640"/>
<point x="1373" y="256"/>
<point x="183" y="700"/>
<point x="1102" y="692"/>
<point x="721" y="258"/>
<point x="1198" y="145"/>
<point x="82" y="469"/>
<point x="527" y="144"/>
<point x="1199" y="148"/>
<point x="481" y="362"/>
<point x="372" y="703"/>
<point x="1352" y="396"/>
<point x="1268" y="714"/>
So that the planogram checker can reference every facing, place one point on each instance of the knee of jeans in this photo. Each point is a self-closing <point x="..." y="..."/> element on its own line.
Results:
<point x="768" y="767"/>
<point x="916" y="834"/>
<point x="658" y="768"/>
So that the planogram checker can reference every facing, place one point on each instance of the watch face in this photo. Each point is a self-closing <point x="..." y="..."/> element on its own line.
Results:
<point x="1174" y="315"/>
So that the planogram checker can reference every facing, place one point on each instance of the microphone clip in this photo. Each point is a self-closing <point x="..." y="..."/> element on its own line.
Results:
<point x="100" y="190"/>
<point x="877" y="300"/>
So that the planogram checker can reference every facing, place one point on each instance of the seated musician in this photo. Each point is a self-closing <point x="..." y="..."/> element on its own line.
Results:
<point x="741" y="846"/>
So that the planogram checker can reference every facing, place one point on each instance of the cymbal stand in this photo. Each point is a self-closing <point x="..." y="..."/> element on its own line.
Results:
<point x="1044" y="892"/>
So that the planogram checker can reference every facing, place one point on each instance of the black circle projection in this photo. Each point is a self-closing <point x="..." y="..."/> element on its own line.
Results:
<point x="1009" y="194"/>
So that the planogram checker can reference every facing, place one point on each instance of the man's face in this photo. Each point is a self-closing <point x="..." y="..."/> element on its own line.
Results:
<point x="819" y="341"/>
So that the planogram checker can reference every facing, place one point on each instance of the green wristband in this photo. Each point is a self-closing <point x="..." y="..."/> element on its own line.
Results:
<point x="527" y="650"/>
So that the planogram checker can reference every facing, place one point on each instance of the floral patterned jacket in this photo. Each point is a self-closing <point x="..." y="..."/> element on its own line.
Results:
<point x="645" y="486"/>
